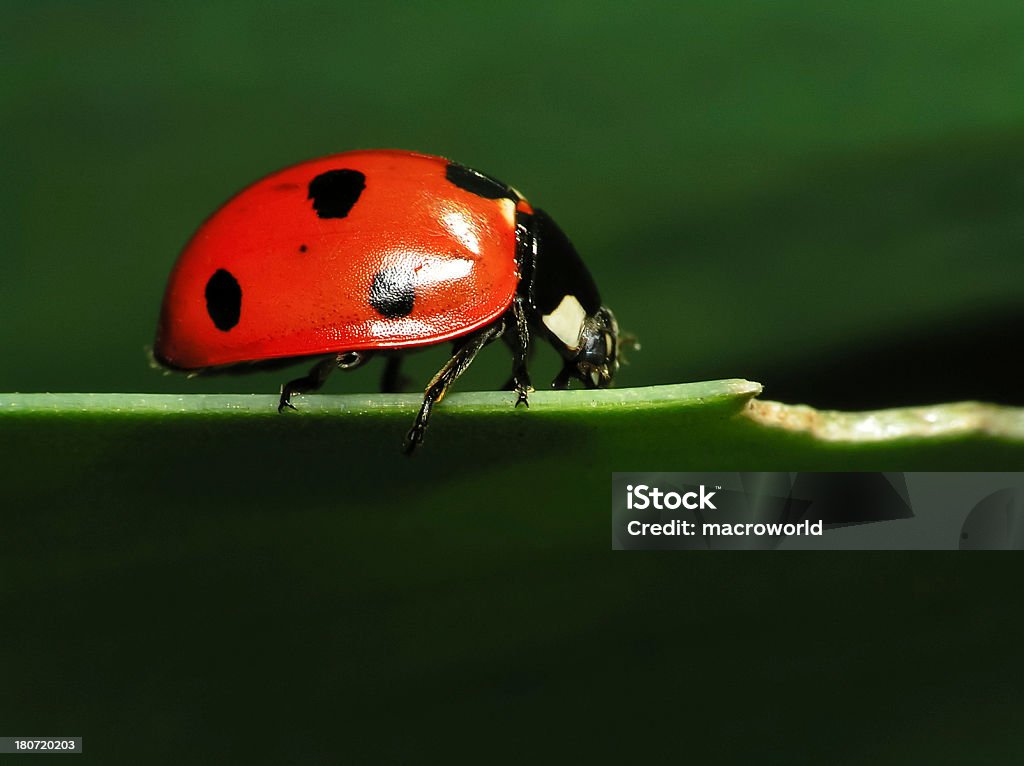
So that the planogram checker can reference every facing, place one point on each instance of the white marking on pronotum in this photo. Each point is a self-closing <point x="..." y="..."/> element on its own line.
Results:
<point x="566" y="321"/>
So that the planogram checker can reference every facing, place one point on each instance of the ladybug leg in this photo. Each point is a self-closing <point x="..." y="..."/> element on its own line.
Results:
<point x="462" y="357"/>
<point x="561" y="381"/>
<point x="318" y="376"/>
<point x="517" y="334"/>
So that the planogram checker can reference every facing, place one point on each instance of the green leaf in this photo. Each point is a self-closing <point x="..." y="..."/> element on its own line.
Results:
<point x="710" y="425"/>
<point x="205" y="544"/>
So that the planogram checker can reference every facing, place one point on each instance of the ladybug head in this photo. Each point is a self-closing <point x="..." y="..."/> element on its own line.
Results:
<point x="597" y="358"/>
<point x="567" y="304"/>
<point x="594" y="359"/>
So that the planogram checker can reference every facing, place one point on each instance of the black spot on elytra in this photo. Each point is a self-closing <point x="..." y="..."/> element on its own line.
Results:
<point x="392" y="293"/>
<point x="302" y="248"/>
<point x="476" y="182"/>
<point x="223" y="300"/>
<point x="335" y="192"/>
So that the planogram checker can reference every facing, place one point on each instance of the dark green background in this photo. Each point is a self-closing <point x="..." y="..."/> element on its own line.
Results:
<point x="825" y="197"/>
<point x="771" y="191"/>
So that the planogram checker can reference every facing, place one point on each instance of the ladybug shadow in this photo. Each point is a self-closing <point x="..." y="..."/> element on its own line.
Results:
<point x="231" y="465"/>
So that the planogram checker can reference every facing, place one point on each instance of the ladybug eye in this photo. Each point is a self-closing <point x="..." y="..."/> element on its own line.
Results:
<point x="335" y="192"/>
<point x="223" y="300"/>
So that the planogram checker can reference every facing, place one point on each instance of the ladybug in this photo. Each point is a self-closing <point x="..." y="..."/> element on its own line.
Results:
<point x="372" y="253"/>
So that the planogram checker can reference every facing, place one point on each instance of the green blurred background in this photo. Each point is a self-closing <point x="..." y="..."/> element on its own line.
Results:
<point x="828" y="198"/>
<point x="825" y="197"/>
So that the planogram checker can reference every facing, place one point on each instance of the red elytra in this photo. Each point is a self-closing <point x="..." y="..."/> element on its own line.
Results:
<point x="305" y="279"/>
